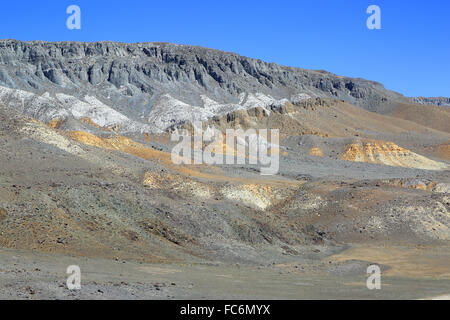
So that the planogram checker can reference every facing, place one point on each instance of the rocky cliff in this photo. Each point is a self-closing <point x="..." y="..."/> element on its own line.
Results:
<point x="134" y="79"/>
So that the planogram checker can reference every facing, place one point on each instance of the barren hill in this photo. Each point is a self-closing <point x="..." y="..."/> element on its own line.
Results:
<point x="87" y="168"/>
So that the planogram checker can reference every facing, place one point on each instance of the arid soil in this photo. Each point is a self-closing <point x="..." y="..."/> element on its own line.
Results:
<point x="417" y="273"/>
<point x="87" y="178"/>
<point x="158" y="230"/>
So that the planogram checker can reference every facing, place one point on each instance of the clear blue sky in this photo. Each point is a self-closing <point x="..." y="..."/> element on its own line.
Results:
<point x="411" y="54"/>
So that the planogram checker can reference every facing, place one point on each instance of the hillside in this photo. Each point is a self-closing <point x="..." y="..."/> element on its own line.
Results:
<point x="87" y="169"/>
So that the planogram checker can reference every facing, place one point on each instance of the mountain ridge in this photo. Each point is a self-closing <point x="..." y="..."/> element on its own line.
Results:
<point x="154" y="85"/>
<point x="210" y="69"/>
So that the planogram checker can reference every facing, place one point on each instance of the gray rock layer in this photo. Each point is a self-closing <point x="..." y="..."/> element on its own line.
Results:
<point x="437" y="101"/>
<point x="135" y="75"/>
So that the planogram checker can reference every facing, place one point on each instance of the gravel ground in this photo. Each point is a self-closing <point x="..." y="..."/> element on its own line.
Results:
<point x="31" y="275"/>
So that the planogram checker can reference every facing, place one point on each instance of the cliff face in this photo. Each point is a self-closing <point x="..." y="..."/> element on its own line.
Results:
<point x="140" y="73"/>
<point x="152" y="86"/>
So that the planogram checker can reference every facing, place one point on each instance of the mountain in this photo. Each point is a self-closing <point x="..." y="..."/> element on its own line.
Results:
<point x="144" y="82"/>
<point x="87" y="170"/>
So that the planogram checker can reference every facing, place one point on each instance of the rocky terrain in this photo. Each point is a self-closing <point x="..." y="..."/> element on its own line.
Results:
<point x="87" y="178"/>
<point x="438" y="101"/>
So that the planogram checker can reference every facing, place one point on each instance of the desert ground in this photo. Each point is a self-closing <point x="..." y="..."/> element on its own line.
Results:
<point x="418" y="273"/>
<point x="363" y="179"/>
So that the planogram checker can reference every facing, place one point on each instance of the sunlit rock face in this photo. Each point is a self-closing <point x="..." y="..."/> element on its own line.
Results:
<point x="157" y="84"/>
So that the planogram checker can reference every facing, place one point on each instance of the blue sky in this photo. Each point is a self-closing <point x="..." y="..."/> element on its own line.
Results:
<point x="410" y="54"/>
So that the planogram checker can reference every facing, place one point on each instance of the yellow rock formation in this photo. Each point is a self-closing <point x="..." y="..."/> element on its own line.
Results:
<point x="55" y="123"/>
<point x="316" y="152"/>
<point x="89" y="121"/>
<point x="129" y="146"/>
<point x="388" y="153"/>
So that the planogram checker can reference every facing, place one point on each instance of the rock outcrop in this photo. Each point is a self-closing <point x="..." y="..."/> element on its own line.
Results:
<point x="437" y="101"/>
<point x="388" y="153"/>
<point x="134" y="79"/>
